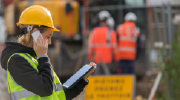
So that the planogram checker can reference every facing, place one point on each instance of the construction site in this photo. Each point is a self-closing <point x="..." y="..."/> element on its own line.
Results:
<point x="155" y="72"/>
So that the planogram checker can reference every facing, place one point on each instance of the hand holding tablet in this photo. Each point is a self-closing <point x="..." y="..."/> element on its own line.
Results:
<point x="89" y="73"/>
<point x="84" y="72"/>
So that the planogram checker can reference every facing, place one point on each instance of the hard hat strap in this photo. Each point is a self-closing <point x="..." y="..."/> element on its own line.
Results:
<point x="26" y="29"/>
<point x="29" y="28"/>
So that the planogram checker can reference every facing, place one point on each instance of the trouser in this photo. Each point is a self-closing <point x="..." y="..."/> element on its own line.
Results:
<point x="127" y="66"/>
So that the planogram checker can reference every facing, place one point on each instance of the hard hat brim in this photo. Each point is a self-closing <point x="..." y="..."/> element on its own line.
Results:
<point x="54" y="29"/>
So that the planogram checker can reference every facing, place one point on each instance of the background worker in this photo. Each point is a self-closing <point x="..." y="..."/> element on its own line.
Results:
<point x="114" y="64"/>
<point x="102" y="44"/>
<point x="128" y="35"/>
<point x="29" y="71"/>
<point x="110" y="22"/>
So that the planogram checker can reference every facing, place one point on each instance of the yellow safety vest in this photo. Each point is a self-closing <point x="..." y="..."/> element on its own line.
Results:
<point x="17" y="92"/>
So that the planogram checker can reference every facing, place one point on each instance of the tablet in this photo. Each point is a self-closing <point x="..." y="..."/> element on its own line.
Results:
<point x="77" y="76"/>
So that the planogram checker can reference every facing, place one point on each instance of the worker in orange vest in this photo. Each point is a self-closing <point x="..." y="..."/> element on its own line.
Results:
<point x="102" y="44"/>
<point x="128" y="35"/>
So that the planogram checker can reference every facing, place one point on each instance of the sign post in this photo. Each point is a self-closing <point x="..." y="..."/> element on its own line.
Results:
<point x="121" y="87"/>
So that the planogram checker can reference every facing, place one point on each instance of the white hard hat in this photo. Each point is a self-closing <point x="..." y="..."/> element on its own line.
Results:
<point x="104" y="14"/>
<point x="130" y="17"/>
<point x="110" y="22"/>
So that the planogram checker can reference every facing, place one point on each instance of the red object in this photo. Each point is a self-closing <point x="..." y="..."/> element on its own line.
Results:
<point x="128" y="34"/>
<point x="119" y="70"/>
<point x="7" y="2"/>
<point x="100" y="50"/>
<point x="2" y="46"/>
<point x="154" y="96"/>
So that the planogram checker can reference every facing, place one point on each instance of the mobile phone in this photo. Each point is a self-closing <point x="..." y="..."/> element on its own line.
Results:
<point x="35" y="35"/>
<point x="78" y="76"/>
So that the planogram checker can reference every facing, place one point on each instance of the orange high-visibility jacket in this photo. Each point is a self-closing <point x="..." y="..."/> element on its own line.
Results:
<point x="102" y="49"/>
<point x="128" y="34"/>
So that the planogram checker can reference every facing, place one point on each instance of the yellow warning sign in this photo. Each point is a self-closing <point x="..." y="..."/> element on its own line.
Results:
<point x="119" y="87"/>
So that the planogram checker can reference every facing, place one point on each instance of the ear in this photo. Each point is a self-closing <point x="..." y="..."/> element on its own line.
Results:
<point x="34" y="30"/>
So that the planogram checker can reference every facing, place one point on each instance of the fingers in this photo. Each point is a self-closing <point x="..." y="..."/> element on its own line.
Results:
<point x="41" y="46"/>
<point x="89" y="73"/>
<point x="41" y="40"/>
<point x="92" y="64"/>
<point x="44" y="42"/>
<point x="34" y="44"/>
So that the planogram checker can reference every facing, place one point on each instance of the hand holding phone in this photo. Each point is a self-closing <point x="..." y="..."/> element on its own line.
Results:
<point x="35" y="35"/>
<point x="40" y="45"/>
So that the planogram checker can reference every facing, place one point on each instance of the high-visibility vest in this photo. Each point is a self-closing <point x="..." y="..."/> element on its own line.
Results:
<point x="128" y="34"/>
<point x="17" y="92"/>
<point x="102" y="45"/>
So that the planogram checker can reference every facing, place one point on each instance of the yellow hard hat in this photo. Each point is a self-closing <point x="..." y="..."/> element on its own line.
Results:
<point x="36" y="15"/>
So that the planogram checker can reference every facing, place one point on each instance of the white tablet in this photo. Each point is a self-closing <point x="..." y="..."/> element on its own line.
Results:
<point x="77" y="76"/>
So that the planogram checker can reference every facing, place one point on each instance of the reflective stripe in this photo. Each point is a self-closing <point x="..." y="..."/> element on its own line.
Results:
<point x="26" y="93"/>
<point x="105" y="45"/>
<point x="124" y="38"/>
<point x="59" y="87"/>
<point x="30" y="58"/>
<point x="21" y="94"/>
<point x="132" y="39"/>
<point x="54" y="87"/>
<point x="108" y="36"/>
<point x="126" y="49"/>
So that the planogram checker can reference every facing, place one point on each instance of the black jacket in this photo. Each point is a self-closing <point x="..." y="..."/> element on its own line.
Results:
<point x="25" y="75"/>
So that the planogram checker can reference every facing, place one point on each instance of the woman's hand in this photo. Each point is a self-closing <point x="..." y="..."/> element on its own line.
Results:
<point x="87" y="75"/>
<point x="41" y="46"/>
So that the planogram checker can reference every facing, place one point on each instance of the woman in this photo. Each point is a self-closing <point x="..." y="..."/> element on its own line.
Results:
<point x="30" y="74"/>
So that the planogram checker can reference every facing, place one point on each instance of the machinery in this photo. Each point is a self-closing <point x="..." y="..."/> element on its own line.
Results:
<point x="66" y="16"/>
<point x="68" y="51"/>
<point x="60" y="15"/>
